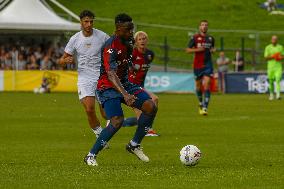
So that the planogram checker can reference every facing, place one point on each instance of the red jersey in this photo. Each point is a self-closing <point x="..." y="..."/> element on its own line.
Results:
<point x="117" y="56"/>
<point x="202" y="59"/>
<point x="140" y="66"/>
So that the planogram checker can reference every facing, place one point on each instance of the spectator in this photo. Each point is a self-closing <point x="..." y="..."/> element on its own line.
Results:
<point x="8" y="63"/>
<point x="2" y="58"/>
<point x="45" y="63"/>
<point x="32" y="65"/>
<point x="22" y="62"/>
<point x="238" y="62"/>
<point x="223" y="67"/>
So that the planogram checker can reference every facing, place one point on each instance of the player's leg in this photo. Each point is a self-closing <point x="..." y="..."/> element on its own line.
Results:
<point x="198" y="89"/>
<point x="86" y="91"/>
<point x="155" y="99"/>
<point x="278" y="77"/>
<point x="145" y="121"/>
<point x="207" y="94"/>
<point x="113" y="110"/>
<point x="132" y="121"/>
<point x="270" y="75"/>
<point x="89" y="106"/>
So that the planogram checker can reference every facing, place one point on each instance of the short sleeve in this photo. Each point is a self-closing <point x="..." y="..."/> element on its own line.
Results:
<point x="109" y="59"/>
<point x="70" y="47"/>
<point x="213" y="42"/>
<point x="191" y="43"/>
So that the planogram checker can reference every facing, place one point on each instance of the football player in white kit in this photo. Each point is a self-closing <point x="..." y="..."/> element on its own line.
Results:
<point x="86" y="46"/>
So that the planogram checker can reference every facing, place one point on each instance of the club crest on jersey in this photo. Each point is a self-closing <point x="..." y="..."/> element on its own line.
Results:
<point x="88" y="45"/>
<point x="110" y="51"/>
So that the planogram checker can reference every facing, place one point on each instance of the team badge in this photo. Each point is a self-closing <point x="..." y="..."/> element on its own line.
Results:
<point x="88" y="45"/>
<point x="110" y="51"/>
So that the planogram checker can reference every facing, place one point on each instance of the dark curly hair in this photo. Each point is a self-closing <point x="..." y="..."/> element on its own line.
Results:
<point x="122" y="18"/>
<point x="86" y="13"/>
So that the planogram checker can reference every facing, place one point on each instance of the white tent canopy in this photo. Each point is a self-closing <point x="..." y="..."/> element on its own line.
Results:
<point x="33" y="15"/>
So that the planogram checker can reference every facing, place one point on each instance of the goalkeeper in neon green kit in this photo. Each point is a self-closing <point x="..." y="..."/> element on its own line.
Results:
<point x="274" y="53"/>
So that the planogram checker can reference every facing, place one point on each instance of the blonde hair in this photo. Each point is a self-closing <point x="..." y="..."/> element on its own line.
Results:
<point x="140" y="33"/>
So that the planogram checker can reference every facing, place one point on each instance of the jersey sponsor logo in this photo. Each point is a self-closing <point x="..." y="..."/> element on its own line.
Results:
<point x="199" y="38"/>
<point x="119" y="52"/>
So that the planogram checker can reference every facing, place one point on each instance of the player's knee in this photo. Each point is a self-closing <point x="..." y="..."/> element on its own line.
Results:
<point x="155" y="100"/>
<point x="90" y="109"/>
<point x="149" y="108"/>
<point x="117" y="121"/>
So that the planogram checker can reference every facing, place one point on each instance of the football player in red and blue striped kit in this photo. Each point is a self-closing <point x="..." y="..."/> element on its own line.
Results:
<point x="142" y="59"/>
<point x="202" y="45"/>
<point x="114" y="88"/>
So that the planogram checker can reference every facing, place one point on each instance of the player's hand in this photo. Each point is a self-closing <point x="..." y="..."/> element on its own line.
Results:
<point x="277" y="56"/>
<point x="68" y="60"/>
<point x="129" y="99"/>
<point x="200" y="49"/>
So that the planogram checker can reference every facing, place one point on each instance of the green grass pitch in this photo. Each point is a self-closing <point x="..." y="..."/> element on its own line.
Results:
<point x="43" y="139"/>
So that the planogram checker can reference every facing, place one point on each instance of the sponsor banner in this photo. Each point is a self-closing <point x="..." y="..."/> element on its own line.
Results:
<point x="170" y="82"/>
<point x="1" y="81"/>
<point x="247" y="83"/>
<point x="66" y="81"/>
<point x="28" y="80"/>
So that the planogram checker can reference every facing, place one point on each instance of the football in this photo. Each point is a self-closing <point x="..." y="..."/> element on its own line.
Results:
<point x="190" y="155"/>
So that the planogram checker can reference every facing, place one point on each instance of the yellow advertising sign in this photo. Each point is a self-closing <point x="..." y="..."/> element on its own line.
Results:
<point x="59" y="81"/>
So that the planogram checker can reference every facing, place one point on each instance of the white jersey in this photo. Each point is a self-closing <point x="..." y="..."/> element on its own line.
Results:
<point x="88" y="54"/>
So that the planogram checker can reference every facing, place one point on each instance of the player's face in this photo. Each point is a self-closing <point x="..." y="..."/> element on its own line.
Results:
<point x="141" y="41"/>
<point x="274" y="40"/>
<point x="126" y="30"/>
<point x="87" y="24"/>
<point x="203" y="27"/>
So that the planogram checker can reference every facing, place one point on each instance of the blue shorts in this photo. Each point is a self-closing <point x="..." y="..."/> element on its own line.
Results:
<point x="206" y="71"/>
<point x="111" y="99"/>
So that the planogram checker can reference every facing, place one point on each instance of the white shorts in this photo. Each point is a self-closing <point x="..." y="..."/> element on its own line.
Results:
<point x="87" y="88"/>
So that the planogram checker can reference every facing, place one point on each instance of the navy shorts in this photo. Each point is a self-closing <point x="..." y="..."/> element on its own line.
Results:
<point x="206" y="71"/>
<point x="111" y="99"/>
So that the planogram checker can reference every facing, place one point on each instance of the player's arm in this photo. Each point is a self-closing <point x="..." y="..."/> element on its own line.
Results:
<point x="192" y="47"/>
<point x="109" y="62"/>
<point x="66" y="59"/>
<point x="267" y="55"/>
<point x="194" y="50"/>
<point x="213" y="49"/>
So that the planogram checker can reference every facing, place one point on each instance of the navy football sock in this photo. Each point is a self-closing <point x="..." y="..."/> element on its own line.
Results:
<point x="207" y="98"/>
<point x="199" y="96"/>
<point x="145" y="122"/>
<point x="129" y="122"/>
<point x="104" y="137"/>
